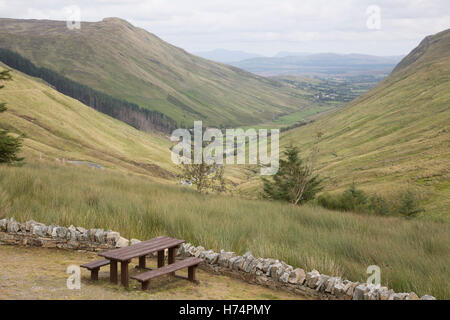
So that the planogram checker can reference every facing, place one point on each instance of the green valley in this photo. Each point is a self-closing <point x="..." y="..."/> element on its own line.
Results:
<point x="396" y="137"/>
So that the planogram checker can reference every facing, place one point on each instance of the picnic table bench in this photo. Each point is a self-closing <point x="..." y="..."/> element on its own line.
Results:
<point x="139" y="250"/>
<point x="94" y="266"/>
<point x="190" y="263"/>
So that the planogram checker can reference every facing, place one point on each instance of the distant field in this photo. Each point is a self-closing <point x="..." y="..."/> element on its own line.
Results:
<point x="294" y="118"/>
<point x="413" y="254"/>
<point x="323" y="94"/>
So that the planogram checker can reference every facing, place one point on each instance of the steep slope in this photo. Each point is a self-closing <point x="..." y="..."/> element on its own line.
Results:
<point x="129" y="63"/>
<point x="432" y="49"/>
<point x="396" y="136"/>
<point x="57" y="127"/>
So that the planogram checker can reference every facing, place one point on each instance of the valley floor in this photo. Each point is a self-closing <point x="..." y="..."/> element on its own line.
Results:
<point x="43" y="276"/>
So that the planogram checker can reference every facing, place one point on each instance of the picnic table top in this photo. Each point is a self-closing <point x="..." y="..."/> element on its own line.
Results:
<point x="141" y="248"/>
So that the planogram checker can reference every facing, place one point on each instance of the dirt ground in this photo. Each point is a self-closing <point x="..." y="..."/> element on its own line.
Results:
<point x="40" y="273"/>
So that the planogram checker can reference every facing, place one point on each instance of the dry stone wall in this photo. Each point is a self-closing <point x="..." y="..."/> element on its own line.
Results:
<point x="32" y="233"/>
<point x="279" y="275"/>
<point x="262" y="271"/>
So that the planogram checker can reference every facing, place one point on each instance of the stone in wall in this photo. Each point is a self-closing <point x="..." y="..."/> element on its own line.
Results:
<point x="297" y="276"/>
<point x="32" y="233"/>
<point x="122" y="242"/>
<point x="134" y="241"/>
<point x="111" y="238"/>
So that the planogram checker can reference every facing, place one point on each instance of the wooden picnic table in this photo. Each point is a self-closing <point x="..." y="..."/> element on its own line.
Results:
<point x="140" y="250"/>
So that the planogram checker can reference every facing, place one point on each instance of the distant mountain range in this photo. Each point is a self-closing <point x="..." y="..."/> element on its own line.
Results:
<point x="226" y="56"/>
<point x="304" y="63"/>
<point x="325" y="64"/>
<point x="283" y="54"/>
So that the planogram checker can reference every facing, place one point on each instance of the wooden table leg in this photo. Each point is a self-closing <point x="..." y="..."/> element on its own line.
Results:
<point x="160" y="258"/>
<point x="94" y="274"/>
<point x="142" y="262"/>
<point x="191" y="273"/>
<point x="124" y="273"/>
<point x="172" y="257"/>
<point x="113" y="271"/>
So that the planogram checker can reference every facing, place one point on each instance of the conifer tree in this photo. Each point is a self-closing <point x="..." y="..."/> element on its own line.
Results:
<point x="294" y="182"/>
<point x="9" y="146"/>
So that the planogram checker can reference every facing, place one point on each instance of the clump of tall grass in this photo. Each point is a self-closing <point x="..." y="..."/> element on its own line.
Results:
<point x="5" y="204"/>
<point x="413" y="254"/>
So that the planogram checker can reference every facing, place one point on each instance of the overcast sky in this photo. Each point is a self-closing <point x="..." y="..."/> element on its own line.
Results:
<point x="263" y="26"/>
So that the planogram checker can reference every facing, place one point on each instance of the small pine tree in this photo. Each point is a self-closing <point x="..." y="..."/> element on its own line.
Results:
<point x="409" y="204"/>
<point x="294" y="182"/>
<point x="9" y="146"/>
<point x="353" y="199"/>
<point x="5" y="76"/>
<point x="378" y="205"/>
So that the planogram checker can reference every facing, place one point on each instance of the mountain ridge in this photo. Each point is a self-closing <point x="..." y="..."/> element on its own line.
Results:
<point x="127" y="62"/>
<point x="421" y="51"/>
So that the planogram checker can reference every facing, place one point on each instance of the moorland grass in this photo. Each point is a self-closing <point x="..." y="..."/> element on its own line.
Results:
<point x="413" y="254"/>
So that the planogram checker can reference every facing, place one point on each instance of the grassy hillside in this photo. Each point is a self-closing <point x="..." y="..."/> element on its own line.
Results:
<point x="57" y="127"/>
<point x="413" y="255"/>
<point x="116" y="58"/>
<point x="396" y="136"/>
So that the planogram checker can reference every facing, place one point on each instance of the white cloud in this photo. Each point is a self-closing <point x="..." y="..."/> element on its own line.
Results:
<point x="262" y="26"/>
